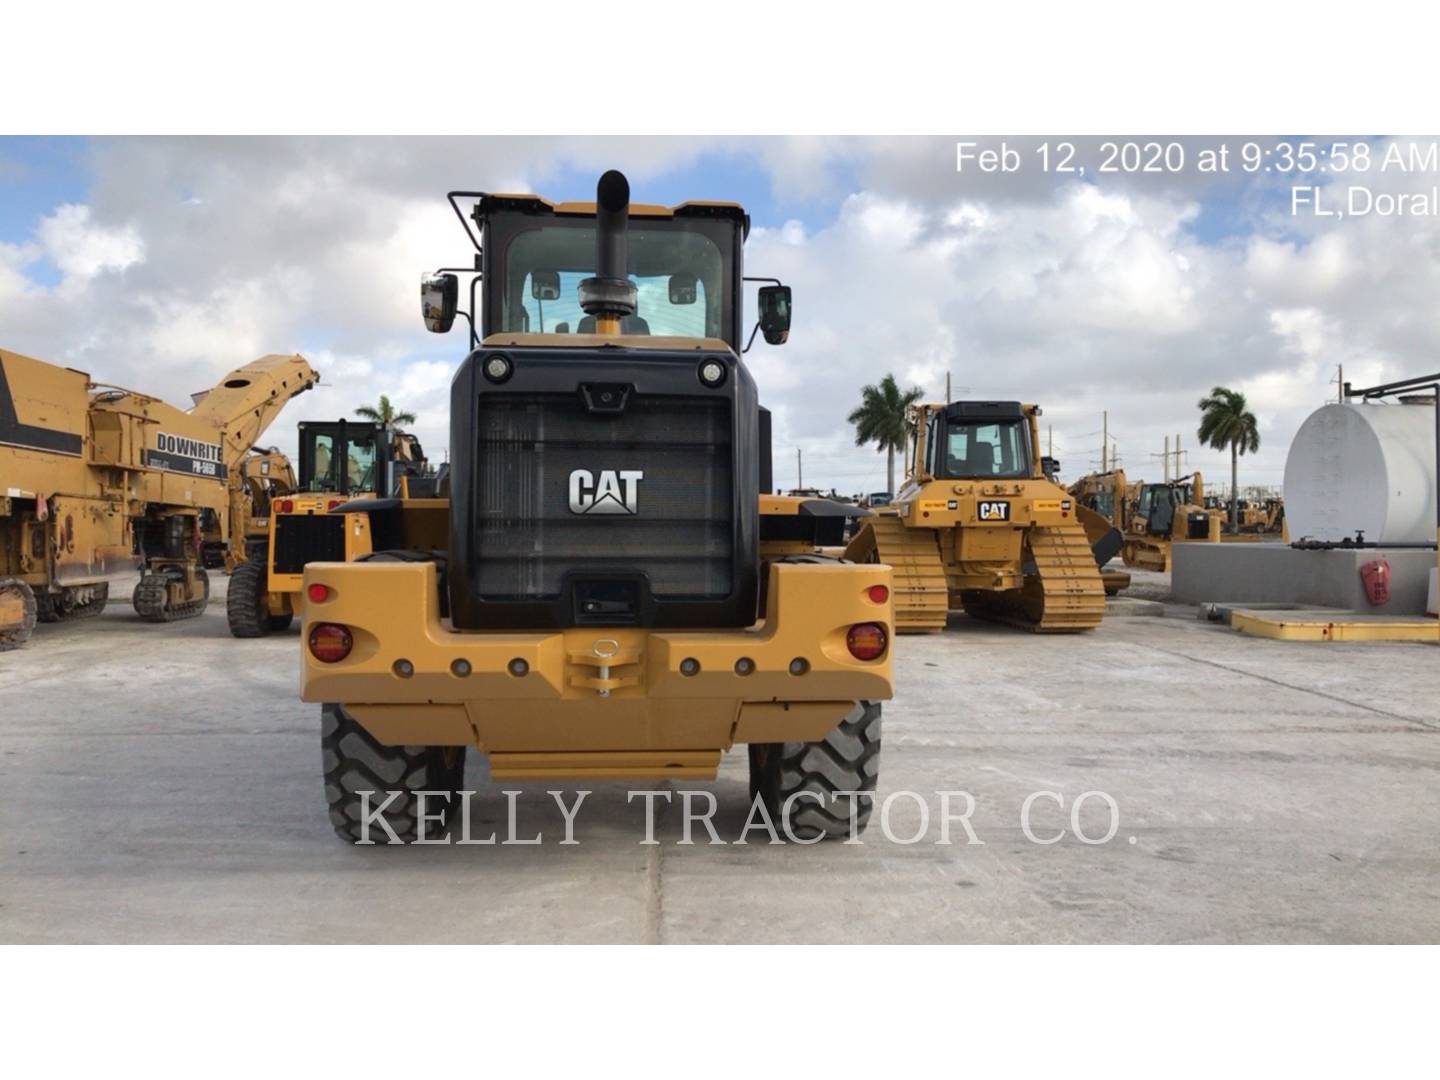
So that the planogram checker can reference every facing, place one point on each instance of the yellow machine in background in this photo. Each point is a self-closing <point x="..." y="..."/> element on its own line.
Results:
<point x="340" y="461"/>
<point x="1103" y="502"/>
<point x="99" y="479"/>
<point x="1260" y="516"/>
<point x="264" y="475"/>
<point x="978" y="525"/>
<point x="611" y="594"/>
<point x="1165" y="514"/>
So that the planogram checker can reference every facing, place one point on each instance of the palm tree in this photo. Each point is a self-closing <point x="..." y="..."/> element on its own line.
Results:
<point x="1226" y="421"/>
<point x="883" y="418"/>
<point x="384" y="413"/>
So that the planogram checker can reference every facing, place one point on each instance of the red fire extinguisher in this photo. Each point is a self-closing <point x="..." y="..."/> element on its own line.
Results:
<point x="1376" y="575"/>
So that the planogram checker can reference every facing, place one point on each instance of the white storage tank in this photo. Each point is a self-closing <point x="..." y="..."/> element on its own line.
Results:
<point x="1363" y="468"/>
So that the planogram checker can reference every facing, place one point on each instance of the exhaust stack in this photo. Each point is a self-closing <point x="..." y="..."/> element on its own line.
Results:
<point x="609" y="295"/>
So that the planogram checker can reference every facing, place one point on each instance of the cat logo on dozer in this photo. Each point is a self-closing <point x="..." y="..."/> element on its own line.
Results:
<point x="998" y="510"/>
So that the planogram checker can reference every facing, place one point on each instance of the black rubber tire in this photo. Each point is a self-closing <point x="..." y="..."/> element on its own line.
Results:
<point x="245" y="608"/>
<point x="280" y="622"/>
<point x="13" y="639"/>
<point x="354" y="761"/>
<point x="848" y="759"/>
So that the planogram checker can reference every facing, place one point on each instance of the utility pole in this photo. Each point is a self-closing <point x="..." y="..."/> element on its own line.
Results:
<point x="1051" y="429"/>
<point x="947" y="388"/>
<point x="799" y="469"/>
<point x="1105" y="441"/>
<point x="1166" y="458"/>
<point x="1179" y="456"/>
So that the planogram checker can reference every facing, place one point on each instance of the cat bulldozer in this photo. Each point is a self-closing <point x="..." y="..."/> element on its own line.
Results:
<point x="99" y="479"/>
<point x="340" y="460"/>
<point x="604" y="587"/>
<point x="1164" y="514"/>
<point x="978" y="525"/>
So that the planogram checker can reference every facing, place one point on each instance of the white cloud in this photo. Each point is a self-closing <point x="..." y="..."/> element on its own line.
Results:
<point x="189" y="257"/>
<point x="79" y="247"/>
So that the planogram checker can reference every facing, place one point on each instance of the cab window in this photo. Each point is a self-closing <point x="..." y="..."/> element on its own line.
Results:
<point x="989" y="448"/>
<point x="680" y="271"/>
<point x="325" y="475"/>
<point x="360" y="462"/>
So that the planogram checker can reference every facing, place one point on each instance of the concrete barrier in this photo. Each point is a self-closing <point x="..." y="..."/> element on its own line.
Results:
<point x="1278" y="574"/>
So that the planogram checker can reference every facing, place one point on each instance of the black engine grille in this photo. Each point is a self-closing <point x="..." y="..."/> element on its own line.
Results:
<point x="307" y="538"/>
<point x="679" y="533"/>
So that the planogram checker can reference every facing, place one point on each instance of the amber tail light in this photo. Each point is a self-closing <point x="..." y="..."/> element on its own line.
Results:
<point x="866" y="641"/>
<point x="330" y="642"/>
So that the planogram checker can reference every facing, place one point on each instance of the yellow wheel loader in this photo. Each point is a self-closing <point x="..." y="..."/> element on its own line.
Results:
<point x="977" y="525"/>
<point x="98" y="479"/>
<point x="340" y="461"/>
<point x="610" y="592"/>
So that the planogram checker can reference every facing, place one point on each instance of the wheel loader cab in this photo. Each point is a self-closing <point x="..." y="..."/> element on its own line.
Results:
<point x="343" y="457"/>
<point x="683" y="264"/>
<point x="618" y="597"/>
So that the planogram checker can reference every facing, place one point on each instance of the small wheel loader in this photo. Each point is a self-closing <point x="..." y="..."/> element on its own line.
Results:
<point x="340" y="461"/>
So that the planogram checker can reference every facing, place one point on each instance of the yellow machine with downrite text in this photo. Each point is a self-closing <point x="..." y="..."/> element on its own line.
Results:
<point x="603" y="589"/>
<point x="98" y="479"/>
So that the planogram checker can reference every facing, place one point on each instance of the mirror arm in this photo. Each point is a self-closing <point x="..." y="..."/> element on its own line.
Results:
<point x="753" y="332"/>
<point x="474" y="341"/>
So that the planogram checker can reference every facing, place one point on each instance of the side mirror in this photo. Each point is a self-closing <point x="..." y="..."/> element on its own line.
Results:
<point x="775" y="313"/>
<point x="439" y="297"/>
<point x="684" y="288"/>
<point x="545" y="284"/>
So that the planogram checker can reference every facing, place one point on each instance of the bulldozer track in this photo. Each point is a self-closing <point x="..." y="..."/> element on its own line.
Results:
<point x="922" y="599"/>
<point x="1063" y="595"/>
<point x="151" y="599"/>
<point x="20" y="632"/>
<point x="52" y="607"/>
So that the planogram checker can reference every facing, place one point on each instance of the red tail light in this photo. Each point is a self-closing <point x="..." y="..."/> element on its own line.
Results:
<point x="866" y="640"/>
<point x="332" y="504"/>
<point x="330" y="642"/>
<point x="286" y="506"/>
<point x="318" y="593"/>
<point x="878" y="593"/>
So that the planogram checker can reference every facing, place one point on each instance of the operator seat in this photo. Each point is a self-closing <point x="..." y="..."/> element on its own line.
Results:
<point x="630" y="324"/>
<point x="979" y="460"/>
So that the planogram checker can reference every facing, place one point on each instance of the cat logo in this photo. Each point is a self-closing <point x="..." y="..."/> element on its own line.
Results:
<point x="997" y="510"/>
<point x="615" y="492"/>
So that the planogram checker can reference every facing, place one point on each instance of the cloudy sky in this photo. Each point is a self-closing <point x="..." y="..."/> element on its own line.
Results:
<point x="162" y="263"/>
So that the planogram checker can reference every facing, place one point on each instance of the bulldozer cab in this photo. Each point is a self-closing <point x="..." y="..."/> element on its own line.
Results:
<point x="345" y="457"/>
<point x="1156" y="506"/>
<point x="973" y="440"/>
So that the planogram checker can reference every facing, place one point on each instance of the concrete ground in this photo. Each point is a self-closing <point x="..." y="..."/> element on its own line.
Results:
<point x="162" y="784"/>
